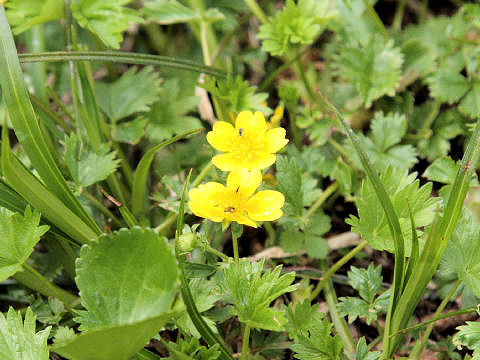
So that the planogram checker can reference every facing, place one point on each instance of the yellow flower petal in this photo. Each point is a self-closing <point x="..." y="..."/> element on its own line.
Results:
<point x="222" y="136"/>
<point x="252" y="125"/>
<point x="265" y="205"/>
<point x="204" y="201"/>
<point x="227" y="162"/>
<point x="247" y="182"/>
<point x="260" y="162"/>
<point x="241" y="219"/>
<point x="275" y="140"/>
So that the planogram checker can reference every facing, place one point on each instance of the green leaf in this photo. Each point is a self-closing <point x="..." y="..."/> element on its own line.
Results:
<point x="363" y="353"/>
<point x="318" y="344"/>
<point x="87" y="166"/>
<point x="448" y="86"/>
<point x="375" y="68"/>
<point x="23" y="14"/>
<point x="462" y="254"/>
<point x="168" y="115"/>
<point x="167" y="12"/>
<point x="354" y="307"/>
<point x="470" y="104"/>
<point x="237" y="95"/>
<point x="119" y="342"/>
<point x="469" y="336"/>
<point x="295" y="25"/>
<point x="366" y="281"/>
<point x="290" y="183"/>
<point x="107" y="19"/>
<point x="18" y="340"/>
<point x="252" y="293"/>
<point x="125" y="277"/>
<point x="388" y="130"/>
<point x="186" y="350"/>
<point x="134" y="92"/>
<point x="27" y="129"/>
<point x="300" y="317"/>
<point x="130" y="132"/>
<point x="19" y="236"/>
<point x="372" y="224"/>
<point x="442" y="170"/>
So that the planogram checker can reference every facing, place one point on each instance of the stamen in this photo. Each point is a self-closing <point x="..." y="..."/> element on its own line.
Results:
<point x="229" y="209"/>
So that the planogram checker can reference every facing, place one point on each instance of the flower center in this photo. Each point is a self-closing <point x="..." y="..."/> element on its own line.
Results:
<point x="233" y="202"/>
<point x="247" y="146"/>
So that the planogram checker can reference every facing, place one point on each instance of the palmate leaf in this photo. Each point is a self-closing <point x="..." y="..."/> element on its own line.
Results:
<point x="375" y="68"/>
<point x="186" y="350"/>
<point x="23" y="14"/>
<point x="403" y="189"/>
<point x="18" y="339"/>
<point x="290" y="183"/>
<point x="168" y="114"/>
<point x="127" y="282"/>
<point x="106" y="18"/>
<point x="134" y="92"/>
<point x="87" y="166"/>
<point x="18" y="235"/>
<point x="251" y="293"/>
<point x="469" y="336"/>
<point x="366" y="281"/>
<point x="463" y="252"/>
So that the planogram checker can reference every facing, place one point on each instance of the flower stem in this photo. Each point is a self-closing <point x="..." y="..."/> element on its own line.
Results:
<point x="321" y="199"/>
<point x="339" y="322"/>
<point x="235" y="247"/>
<point x="245" y="341"/>
<point x="418" y="349"/>
<point x="216" y="252"/>
<point x="335" y="267"/>
<point x="103" y="209"/>
<point x="257" y="10"/>
<point x="303" y="78"/>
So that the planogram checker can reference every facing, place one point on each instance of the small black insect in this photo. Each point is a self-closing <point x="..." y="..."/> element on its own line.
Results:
<point x="240" y="131"/>
<point x="229" y="209"/>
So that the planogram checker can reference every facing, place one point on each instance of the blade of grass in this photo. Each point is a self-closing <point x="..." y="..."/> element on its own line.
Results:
<point x="207" y="334"/>
<point x="141" y="173"/>
<point x="122" y="57"/>
<point x="436" y="242"/>
<point x="415" y="252"/>
<point x="25" y="124"/>
<point x="392" y="218"/>
<point x="35" y="193"/>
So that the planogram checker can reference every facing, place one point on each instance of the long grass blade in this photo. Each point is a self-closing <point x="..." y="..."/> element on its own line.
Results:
<point x="26" y="126"/>
<point x="207" y="334"/>
<point x="141" y="173"/>
<point x="122" y="57"/>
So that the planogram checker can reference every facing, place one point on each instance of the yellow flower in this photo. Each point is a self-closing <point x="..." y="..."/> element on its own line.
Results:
<point x="276" y="117"/>
<point x="249" y="145"/>
<point x="237" y="201"/>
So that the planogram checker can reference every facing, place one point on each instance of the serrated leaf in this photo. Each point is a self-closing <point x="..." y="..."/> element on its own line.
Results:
<point x="374" y="69"/>
<point x="87" y="166"/>
<point x="290" y="183"/>
<point x="134" y="92"/>
<point x="372" y="224"/>
<point x="366" y="281"/>
<point x="388" y="130"/>
<point x="470" y="104"/>
<point x="295" y="25"/>
<point x="23" y="14"/>
<point x="300" y="317"/>
<point x="318" y="344"/>
<point x="363" y="353"/>
<point x="354" y="307"/>
<point x="442" y="170"/>
<point x="463" y="252"/>
<point x="18" y="339"/>
<point x="125" y="277"/>
<point x="168" y="114"/>
<point x="130" y="132"/>
<point x="252" y="293"/>
<point x="107" y="18"/>
<point x="185" y="350"/>
<point x="19" y="234"/>
<point x="448" y="86"/>
<point x="167" y="12"/>
<point x="469" y="336"/>
<point x="237" y="95"/>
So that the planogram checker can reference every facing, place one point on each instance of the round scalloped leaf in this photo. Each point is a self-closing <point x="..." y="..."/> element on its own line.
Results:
<point x="125" y="277"/>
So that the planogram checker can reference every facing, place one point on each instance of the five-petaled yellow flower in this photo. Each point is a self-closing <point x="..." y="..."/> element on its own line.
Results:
<point x="237" y="202"/>
<point x="248" y="145"/>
